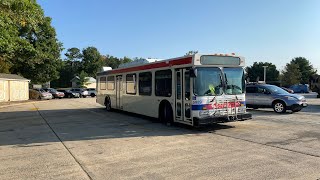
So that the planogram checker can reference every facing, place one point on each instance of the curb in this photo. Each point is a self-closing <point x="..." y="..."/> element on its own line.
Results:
<point x="18" y="104"/>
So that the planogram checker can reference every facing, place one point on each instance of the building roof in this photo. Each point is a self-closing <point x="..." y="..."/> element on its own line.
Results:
<point x="12" y="77"/>
<point x="90" y="79"/>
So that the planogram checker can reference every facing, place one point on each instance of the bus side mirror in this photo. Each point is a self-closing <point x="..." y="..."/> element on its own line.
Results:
<point x="193" y="72"/>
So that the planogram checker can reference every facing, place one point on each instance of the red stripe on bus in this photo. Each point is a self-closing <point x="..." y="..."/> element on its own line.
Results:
<point x="187" y="60"/>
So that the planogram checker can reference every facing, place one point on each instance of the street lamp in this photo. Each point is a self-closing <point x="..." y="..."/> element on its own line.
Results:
<point x="265" y="73"/>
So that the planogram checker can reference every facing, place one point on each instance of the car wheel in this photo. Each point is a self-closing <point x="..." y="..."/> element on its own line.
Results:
<point x="92" y="95"/>
<point x="279" y="107"/>
<point x="84" y="96"/>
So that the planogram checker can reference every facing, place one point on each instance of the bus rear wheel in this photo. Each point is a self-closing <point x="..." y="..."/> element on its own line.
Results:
<point x="107" y="103"/>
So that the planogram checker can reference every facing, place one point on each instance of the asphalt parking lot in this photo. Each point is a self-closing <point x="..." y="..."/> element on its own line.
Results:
<point x="78" y="139"/>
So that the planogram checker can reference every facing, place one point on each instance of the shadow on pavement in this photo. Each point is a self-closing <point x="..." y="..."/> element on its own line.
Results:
<point x="24" y="128"/>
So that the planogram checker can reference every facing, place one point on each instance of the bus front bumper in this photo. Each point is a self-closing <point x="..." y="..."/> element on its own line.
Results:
<point x="221" y="119"/>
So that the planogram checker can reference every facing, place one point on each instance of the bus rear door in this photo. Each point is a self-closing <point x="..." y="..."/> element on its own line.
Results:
<point x="119" y="92"/>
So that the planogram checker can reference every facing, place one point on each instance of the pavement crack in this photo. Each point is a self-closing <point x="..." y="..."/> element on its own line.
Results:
<point x="73" y="156"/>
<point x="268" y="145"/>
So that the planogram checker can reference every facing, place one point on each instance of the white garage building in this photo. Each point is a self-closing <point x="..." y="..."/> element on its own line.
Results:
<point x="13" y="88"/>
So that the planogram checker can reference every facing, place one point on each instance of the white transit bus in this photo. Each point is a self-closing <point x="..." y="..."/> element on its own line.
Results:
<point x="194" y="90"/>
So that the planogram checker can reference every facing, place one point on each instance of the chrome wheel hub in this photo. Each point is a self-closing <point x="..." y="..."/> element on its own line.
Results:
<point x="279" y="107"/>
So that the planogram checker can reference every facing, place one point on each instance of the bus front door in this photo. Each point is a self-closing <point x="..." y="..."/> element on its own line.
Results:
<point x="119" y="92"/>
<point x="183" y="96"/>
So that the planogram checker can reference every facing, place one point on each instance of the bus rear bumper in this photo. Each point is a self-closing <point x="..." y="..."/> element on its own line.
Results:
<point x="221" y="119"/>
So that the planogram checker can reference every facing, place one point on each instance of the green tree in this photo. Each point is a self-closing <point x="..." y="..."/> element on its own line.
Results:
<point x="73" y="54"/>
<point x="28" y="44"/>
<point x="257" y="71"/>
<point x="83" y="79"/>
<point x="125" y="60"/>
<point x="305" y="67"/>
<point x="291" y="74"/>
<point x="73" y="60"/>
<point x="92" y="61"/>
<point x="114" y="62"/>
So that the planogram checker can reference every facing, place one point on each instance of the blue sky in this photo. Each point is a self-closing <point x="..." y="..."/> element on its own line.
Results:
<point x="271" y="30"/>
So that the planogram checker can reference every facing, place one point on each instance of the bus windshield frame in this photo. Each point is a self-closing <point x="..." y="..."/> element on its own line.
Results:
<point x="215" y="81"/>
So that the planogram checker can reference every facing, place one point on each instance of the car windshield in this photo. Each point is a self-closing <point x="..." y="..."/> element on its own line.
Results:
<point x="208" y="82"/>
<point x="235" y="83"/>
<point x="52" y="90"/>
<point x="276" y="90"/>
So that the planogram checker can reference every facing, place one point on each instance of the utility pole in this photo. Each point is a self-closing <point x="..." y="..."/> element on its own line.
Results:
<point x="265" y="73"/>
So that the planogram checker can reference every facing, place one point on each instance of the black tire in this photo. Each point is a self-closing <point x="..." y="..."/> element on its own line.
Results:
<point x="166" y="114"/>
<point x="279" y="107"/>
<point x="107" y="103"/>
<point x="92" y="95"/>
<point x="84" y="96"/>
<point x="296" y="110"/>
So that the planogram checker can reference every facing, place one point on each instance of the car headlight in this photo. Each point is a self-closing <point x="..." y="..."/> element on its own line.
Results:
<point x="291" y="98"/>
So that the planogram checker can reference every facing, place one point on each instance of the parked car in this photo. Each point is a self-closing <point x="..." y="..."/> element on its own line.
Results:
<point x="39" y="94"/>
<point x="54" y="92"/>
<point x="92" y="92"/>
<point x="288" y="90"/>
<point x="300" y="88"/>
<point x="265" y="95"/>
<point x="83" y="93"/>
<point x="69" y="94"/>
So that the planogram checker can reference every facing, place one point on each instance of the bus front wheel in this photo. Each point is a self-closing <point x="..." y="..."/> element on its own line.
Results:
<point x="166" y="114"/>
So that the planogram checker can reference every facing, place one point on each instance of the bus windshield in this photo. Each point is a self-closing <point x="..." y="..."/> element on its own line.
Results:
<point x="208" y="82"/>
<point x="235" y="83"/>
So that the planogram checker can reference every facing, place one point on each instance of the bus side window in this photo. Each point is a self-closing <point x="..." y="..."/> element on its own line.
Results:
<point x="131" y="84"/>
<point x="102" y="82"/>
<point x="145" y="83"/>
<point x="110" y="82"/>
<point x="163" y="83"/>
